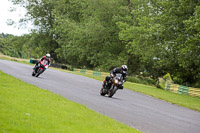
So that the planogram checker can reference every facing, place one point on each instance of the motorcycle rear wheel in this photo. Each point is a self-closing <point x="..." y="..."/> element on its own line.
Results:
<point x="33" y="74"/>
<point x="102" y="92"/>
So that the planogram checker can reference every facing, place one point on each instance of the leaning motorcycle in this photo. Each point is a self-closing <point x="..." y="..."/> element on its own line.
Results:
<point x="43" y="65"/>
<point x="116" y="83"/>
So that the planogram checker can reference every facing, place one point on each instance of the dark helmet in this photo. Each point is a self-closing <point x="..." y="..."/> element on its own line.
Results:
<point x="124" y="68"/>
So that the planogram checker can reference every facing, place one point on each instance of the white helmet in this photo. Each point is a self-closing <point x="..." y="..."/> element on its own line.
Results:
<point x="124" y="67"/>
<point x="48" y="56"/>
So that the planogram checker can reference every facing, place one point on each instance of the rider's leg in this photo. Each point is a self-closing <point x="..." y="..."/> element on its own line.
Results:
<point x="36" y="66"/>
<point x="105" y="82"/>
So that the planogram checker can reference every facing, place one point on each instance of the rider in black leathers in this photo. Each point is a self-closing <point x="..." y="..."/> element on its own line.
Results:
<point x="123" y="70"/>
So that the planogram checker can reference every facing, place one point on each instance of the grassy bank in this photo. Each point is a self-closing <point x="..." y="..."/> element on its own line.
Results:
<point x="174" y="98"/>
<point x="4" y="57"/>
<point x="25" y="108"/>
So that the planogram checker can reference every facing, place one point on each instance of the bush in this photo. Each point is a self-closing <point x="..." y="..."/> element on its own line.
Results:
<point x="141" y="80"/>
<point x="161" y="83"/>
<point x="197" y="85"/>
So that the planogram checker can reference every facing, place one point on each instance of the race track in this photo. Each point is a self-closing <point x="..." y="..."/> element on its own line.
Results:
<point x="137" y="110"/>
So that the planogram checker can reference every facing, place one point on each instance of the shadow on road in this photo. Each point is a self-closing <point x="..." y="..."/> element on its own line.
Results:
<point x="113" y="98"/>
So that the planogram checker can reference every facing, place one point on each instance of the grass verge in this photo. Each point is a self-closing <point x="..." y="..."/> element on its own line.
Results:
<point x="25" y="108"/>
<point x="174" y="98"/>
<point x="5" y="57"/>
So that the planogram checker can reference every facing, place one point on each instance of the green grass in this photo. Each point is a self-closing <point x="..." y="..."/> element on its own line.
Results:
<point x="25" y="108"/>
<point x="174" y="98"/>
<point x="24" y="61"/>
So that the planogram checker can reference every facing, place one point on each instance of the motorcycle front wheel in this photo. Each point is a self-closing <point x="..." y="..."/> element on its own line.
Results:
<point x="39" y="72"/>
<point x="112" y="91"/>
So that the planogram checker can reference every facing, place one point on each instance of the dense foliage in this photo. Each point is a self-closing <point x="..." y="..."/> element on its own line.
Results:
<point x="154" y="37"/>
<point x="15" y="46"/>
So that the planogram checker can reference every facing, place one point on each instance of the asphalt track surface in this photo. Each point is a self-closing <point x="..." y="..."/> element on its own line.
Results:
<point x="137" y="110"/>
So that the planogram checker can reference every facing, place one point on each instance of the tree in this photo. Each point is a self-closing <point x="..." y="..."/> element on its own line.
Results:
<point x="40" y="12"/>
<point x="151" y="36"/>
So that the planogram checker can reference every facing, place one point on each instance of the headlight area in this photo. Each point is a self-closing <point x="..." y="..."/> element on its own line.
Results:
<point x="116" y="81"/>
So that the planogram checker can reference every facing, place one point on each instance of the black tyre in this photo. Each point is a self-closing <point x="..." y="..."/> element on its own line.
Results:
<point x="102" y="92"/>
<point x="33" y="74"/>
<point x="39" y="72"/>
<point x="112" y="91"/>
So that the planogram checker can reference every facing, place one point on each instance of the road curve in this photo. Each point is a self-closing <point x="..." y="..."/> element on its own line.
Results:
<point x="137" y="110"/>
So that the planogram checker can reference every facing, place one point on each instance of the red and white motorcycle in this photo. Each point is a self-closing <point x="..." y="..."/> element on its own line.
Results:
<point x="42" y="66"/>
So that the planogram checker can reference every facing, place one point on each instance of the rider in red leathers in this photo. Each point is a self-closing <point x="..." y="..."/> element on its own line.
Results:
<point x="47" y="58"/>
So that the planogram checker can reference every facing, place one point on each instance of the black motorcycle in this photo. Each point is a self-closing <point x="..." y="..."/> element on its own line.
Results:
<point x="116" y="83"/>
